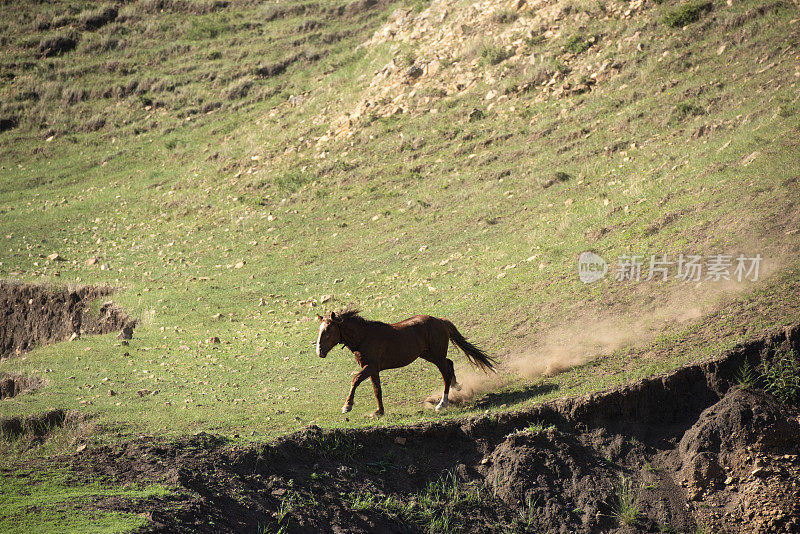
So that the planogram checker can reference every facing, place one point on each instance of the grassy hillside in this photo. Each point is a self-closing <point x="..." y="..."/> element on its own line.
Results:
<point x="235" y="167"/>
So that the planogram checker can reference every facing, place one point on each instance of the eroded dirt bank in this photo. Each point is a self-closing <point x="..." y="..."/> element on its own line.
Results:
<point x="32" y="314"/>
<point x="700" y="452"/>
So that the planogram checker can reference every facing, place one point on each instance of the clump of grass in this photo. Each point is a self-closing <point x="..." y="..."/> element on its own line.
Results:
<point x="781" y="377"/>
<point x="202" y="28"/>
<point x="525" y="520"/>
<point x="93" y="19"/>
<point x="335" y="445"/>
<point x="58" y="44"/>
<point x="439" y="507"/>
<point x="535" y="428"/>
<point x="504" y="16"/>
<point x="360" y="502"/>
<point x="578" y="44"/>
<point x="491" y="54"/>
<point x="239" y="88"/>
<point x="286" y="506"/>
<point x="687" y="13"/>
<point x="626" y="503"/>
<point x="686" y="109"/>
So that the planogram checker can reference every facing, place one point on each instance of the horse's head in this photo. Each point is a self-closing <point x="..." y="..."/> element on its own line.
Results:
<point x="330" y="334"/>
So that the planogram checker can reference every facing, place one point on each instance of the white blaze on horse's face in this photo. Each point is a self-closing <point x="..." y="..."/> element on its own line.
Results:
<point x="322" y="327"/>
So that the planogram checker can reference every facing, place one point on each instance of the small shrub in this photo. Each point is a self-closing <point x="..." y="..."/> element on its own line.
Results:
<point x="626" y="502"/>
<point x="746" y="375"/>
<point x="561" y="67"/>
<point x="781" y="377"/>
<point x="687" y="13"/>
<point x="291" y="181"/>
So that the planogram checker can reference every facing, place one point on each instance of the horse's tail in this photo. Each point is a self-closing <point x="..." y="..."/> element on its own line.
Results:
<point x="475" y="355"/>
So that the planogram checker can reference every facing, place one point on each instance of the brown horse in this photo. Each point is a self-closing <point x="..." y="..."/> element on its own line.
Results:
<point x="378" y="346"/>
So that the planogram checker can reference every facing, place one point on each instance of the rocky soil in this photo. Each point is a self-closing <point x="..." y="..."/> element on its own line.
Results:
<point x="440" y="52"/>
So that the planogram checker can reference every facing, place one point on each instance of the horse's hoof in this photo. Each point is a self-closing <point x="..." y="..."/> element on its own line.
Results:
<point x="376" y="414"/>
<point x="440" y="407"/>
<point x="346" y="408"/>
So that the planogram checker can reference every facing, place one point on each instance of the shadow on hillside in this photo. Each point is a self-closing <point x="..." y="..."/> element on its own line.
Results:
<point x="498" y="398"/>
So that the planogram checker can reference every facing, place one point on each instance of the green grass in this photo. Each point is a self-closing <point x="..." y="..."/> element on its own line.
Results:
<point x="746" y="376"/>
<point x="686" y="13"/>
<point x="51" y="500"/>
<point x="535" y="428"/>
<point x="442" y="506"/>
<point x="626" y="507"/>
<point x="578" y="44"/>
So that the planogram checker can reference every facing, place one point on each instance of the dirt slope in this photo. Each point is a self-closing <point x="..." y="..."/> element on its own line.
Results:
<point x="37" y="314"/>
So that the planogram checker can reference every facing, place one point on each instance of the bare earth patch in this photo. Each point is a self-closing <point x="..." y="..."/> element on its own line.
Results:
<point x="36" y="314"/>
<point x="12" y="384"/>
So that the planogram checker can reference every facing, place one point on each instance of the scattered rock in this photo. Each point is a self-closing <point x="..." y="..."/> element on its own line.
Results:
<point x="414" y="71"/>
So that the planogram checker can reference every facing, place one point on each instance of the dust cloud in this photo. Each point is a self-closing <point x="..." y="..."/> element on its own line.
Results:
<point x="593" y="335"/>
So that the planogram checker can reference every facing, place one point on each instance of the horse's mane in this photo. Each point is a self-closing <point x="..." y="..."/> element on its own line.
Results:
<point x="352" y="314"/>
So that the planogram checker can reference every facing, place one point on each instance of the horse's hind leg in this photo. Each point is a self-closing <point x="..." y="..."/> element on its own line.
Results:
<point x="376" y="386"/>
<point x="453" y="382"/>
<point x="449" y="376"/>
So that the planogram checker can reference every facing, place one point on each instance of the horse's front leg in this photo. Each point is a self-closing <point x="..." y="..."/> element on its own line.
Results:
<point x="376" y="386"/>
<point x="365" y="372"/>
